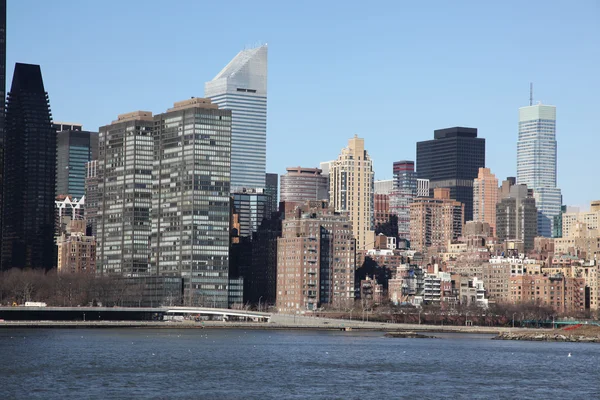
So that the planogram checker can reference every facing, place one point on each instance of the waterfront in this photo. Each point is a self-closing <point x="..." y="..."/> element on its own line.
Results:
<point x="237" y="364"/>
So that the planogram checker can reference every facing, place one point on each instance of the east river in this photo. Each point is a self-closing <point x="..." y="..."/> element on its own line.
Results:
<point x="259" y="364"/>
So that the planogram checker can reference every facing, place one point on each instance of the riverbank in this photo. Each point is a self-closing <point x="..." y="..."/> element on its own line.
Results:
<point x="582" y="334"/>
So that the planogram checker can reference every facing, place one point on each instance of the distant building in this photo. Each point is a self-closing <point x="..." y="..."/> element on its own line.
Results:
<point x="191" y="199"/>
<point x="564" y="295"/>
<point x="485" y="197"/>
<point x="92" y="197"/>
<point x="252" y="206"/>
<point x="351" y="189"/>
<point x="76" y="250"/>
<point x="591" y="219"/>
<point x="29" y="174"/>
<point x="406" y="188"/>
<point x="124" y="194"/>
<point x="272" y="189"/>
<point x="304" y="184"/>
<point x="242" y="88"/>
<point x="516" y="217"/>
<point x="68" y="209"/>
<point x="452" y="160"/>
<point x="381" y="208"/>
<point x="435" y="221"/>
<point x="75" y="149"/>
<point x="383" y="186"/>
<point x="315" y="259"/>
<point x="536" y="162"/>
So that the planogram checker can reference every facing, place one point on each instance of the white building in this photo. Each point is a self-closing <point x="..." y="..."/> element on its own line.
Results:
<point x="242" y="88"/>
<point x="536" y="162"/>
<point x="384" y="186"/>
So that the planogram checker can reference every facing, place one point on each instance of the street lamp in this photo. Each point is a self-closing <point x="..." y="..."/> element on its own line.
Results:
<point x="514" y="320"/>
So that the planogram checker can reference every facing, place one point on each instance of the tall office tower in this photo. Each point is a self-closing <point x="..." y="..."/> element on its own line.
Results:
<point x="242" y="88"/>
<point x="536" y="162"/>
<point x="384" y="186"/>
<point x="3" y="99"/>
<point x="125" y="194"/>
<point x="303" y="184"/>
<point x="29" y="174"/>
<point x="351" y="190"/>
<point x="92" y="198"/>
<point x="485" y="197"/>
<point x="434" y="222"/>
<point x="452" y="160"/>
<point x="75" y="148"/>
<point x="516" y="216"/>
<point x="316" y="259"/>
<point x="190" y="199"/>
<point x="272" y="189"/>
<point x="405" y="189"/>
<point x="252" y="206"/>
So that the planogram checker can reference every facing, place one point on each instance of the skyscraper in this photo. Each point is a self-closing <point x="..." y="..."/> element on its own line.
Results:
<point x="351" y="190"/>
<point x="536" y="162"/>
<point x="300" y="184"/>
<point x="272" y="189"/>
<point x="516" y="216"/>
<point x="190" y="199"/>
<point x="29" y="175"/>
<point x="252" y="206"/>
<point x="3" y="99"/>
<point x="485" y="197"/>
<point x="405" y="188"/>
<point x="242" y="88"/>
<point x="124" y="194"/>
<point x="75" y="148"/>
<point x="452" y="160"/>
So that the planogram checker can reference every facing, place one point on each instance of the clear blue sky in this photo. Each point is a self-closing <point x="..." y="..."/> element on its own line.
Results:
<point x="391" y="72"/>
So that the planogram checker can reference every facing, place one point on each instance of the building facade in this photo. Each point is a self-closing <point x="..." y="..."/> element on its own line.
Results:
<point x="406" y="187"/>
<point x="315" y="259"/>
<point x="301" y="184"/>
<point x="536" y="162"/>
<point x="190" y="199"/>
<point x="435" y="221"/>
<point x="124" y="175"/>
<point x="591" y="219"/>
<point x="272" y="189"/>
<point x="351" y="189"/>
<point x="516" y="217"/>
<point x="29" y="174"/>
<point x="381" y="209"/>
<point x="92" y="197"/>
<point x="76" y="250"/>
<point x="252" y="206"/>
<point x="485" y="198"/>
<point x="385" y="186"/>
<point x="75" y="148"/>
<point x="242" y="88"/>
<point x="452" y="160"/>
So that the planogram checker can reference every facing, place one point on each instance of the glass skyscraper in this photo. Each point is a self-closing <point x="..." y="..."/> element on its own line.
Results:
<point x="75" y="148"/>
<point x="536" y="162"/>
<point x="190" y="199"/>
<point x="242" y="88"/>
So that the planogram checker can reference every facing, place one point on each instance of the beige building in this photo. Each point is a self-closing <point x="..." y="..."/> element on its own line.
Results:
<point x="351" y="189"/>
<point x="76" y="251"/>
<point x="485" y="198"/>
<point x="434" y="222"/>
<point x="590" y="218"/>
<point x="582" y="242"/>
<point x="563" y="294"/>
<point x="316" y="259"/>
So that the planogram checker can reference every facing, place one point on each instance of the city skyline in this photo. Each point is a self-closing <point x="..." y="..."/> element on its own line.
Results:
<point x="427" y="102"/>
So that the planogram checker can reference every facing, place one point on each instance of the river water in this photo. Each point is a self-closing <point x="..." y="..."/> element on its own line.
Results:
<point x="257" y="364"/>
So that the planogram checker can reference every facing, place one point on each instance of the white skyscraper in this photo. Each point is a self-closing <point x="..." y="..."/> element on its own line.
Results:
<point x="242" y="88"/>
<point x="536" y="162"/>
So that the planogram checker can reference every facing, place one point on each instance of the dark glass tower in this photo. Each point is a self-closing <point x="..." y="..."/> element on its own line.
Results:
<point x="452" y="160"/>
<point x="29" y="174"/>
<point x="3" y="94"/>
<point x="75" y="148"/>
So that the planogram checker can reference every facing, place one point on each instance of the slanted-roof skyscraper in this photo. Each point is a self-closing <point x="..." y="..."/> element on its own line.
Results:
<point x="452" y="160"/>
<point x="536" y="162"/>
<point x="29" y="174"/>
<point x="242" y="88"/>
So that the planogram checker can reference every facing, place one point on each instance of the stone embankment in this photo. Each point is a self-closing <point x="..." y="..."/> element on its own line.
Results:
<point x="581" y="335"/>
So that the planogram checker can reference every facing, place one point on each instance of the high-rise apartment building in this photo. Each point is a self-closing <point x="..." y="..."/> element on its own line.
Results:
<point x="381" y="208"/>
<point x="516" y="217"/>
<point x="303" y="184"/>
<point x="403" y="193"/>
<point x="92" y="197"/>
<point x="242" y="88"/>
<point x="29" y="174"/>
<point x="351" y="189"/>
<point x="76" y="250"/>
<point x="75" y="148"/>
<point x="452" y="160"/>
<point x="272" y="189"/>
<point x="591" y="219"/>
<point x="315" y="259"/>
<point x="124" y="194"/>
<point x="435" y="221"/>
<point x="485" y="197"/>
<point x="536" y="162"/>
<point x="190" y="199"/>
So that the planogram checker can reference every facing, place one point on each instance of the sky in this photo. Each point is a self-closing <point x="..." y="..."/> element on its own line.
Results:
<point x="389" y="71"/>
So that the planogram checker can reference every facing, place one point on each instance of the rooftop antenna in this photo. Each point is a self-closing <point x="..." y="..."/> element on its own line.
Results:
<point x="530" y="93"/>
